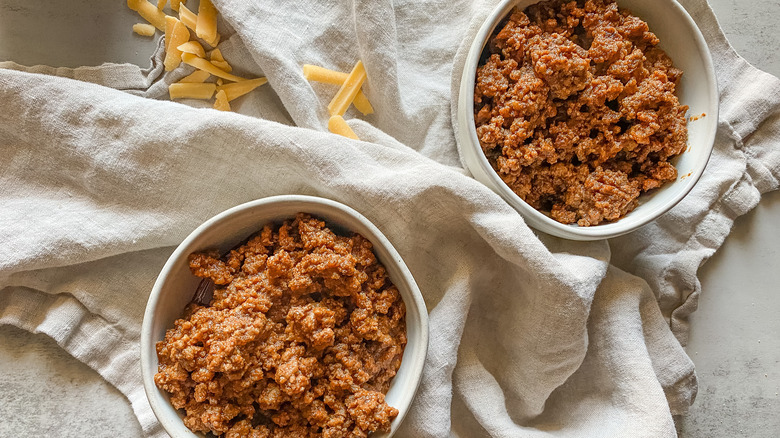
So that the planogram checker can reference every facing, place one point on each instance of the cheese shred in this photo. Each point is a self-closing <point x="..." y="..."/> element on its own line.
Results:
<point x="149" y="12"/>
<point x="191" y="91"/>
<point x="202" y="64"/>
<point x="327" y="76"/>
<point x="187" y="39"/>
<point x="221" y="103"/>
<point x="144" y="29"/>
<point x="238" y="89"/>
<point x="349" y="89"/>
<point x="337" y="125"/>
<point x="206" y="27"/>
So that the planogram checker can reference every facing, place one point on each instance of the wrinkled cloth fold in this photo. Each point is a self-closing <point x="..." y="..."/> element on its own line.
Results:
<point x="530" y="335"/>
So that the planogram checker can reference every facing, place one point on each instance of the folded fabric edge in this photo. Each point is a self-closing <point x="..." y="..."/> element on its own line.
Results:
<point x="673" y="368"/>
<point x="739" y="200"/>
<point x="124" y="76"/>
<point x="664" y="359"/>
<point x="87" y="337"/>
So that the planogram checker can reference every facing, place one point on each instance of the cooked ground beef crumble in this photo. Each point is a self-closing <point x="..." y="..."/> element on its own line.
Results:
<point x="575" y="108"/>
<point x="301" y="339"/>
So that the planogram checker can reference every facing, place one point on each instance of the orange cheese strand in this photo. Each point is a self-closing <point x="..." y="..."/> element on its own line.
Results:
<point x="322" y="74"/>
<point x="193" y="47"/>
<point x="362" y="104"/>
<point x="206" y="27"/>
<point x="202" y="64"/>
<point x="222" y="102"/>
<point x="198" y="76"/>
<point x="216" y="55"/>
<point x="238" y="89"/>
<point x="169" y="23"/>
<point x="337" y="125"/>
<point x="349" y="89"/>
<point x="144" y="29"/>
<point x="191" y="91"/>
<point x="179" y="35"/>
<point x="189" y="18"/>
<point x="149" y="12"/>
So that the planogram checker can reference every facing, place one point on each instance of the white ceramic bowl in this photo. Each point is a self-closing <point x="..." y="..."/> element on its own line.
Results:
<point x="175" y="287"/>
<point x="685" y="45"/>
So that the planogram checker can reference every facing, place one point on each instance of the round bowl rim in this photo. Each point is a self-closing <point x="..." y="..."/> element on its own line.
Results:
<point x="469" y="143"/>
<point x="160" y="406"/>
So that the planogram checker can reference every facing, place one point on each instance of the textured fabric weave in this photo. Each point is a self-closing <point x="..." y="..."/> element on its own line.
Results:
<point x="530" y="335"/>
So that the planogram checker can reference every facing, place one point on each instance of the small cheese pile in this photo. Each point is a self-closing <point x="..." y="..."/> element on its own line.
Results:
<point x="350" y="93"/>
<point x="184" y="40"/>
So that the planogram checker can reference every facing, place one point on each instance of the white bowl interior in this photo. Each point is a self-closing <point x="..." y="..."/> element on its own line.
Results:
<point x="175" y="287"/>
<point x="685" y="45"/>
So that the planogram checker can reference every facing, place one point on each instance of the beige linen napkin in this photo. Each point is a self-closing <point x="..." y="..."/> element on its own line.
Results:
<point x="530" y="335"/>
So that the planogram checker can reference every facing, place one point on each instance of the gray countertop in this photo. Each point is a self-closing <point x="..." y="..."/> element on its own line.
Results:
<point x="734" y="337"/>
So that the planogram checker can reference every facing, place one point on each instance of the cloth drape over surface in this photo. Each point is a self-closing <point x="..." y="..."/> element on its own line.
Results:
<point x="530" y="335"/>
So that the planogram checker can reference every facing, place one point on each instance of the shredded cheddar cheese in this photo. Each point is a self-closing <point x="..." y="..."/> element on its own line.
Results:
<point x="223" y="65"/>
<point x="191" y="91"/>
<point x="222" y="102"/>
<point x="202" y="64"/>
<point x="193" y="47"/>
<point x="144" y="29"/>
<point x="238" y="89"/>
<point x="362" y="104"/>
<point x="189" y="18"/>
<point x="322" y="74"/>
<point x="348" y="90"/>
<point x="197" y="76"/>
<point x="179" y="36"/>
<point x="169" y="23"/>
<point x="219" y="60"/>
<point x="216" y="41"/>
<point x="182" y="46"/>
<point x="337" y="125"/>
<point x="206" y="26"/>
<point x="216" y="55"/>
<point x="149" y="12"/>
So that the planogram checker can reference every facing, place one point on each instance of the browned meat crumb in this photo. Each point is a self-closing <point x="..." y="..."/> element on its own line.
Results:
<point x="302" y="337"/>
<point x="575" y="108"/>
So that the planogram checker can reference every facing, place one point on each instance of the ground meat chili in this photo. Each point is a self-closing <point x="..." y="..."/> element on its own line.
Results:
<point x="575" y="109"/>
<point x="301" y="339"/>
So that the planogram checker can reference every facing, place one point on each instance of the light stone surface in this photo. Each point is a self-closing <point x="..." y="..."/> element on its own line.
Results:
<point x="735" y="333"/>
<point x="72" y="33"/>
<point x="735" y="340"/>
<point x="734" y="336"/>
<point x="45" y="392"/>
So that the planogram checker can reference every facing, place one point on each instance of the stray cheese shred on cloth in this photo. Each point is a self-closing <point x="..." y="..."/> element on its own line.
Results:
<point x="530" y="335"/>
